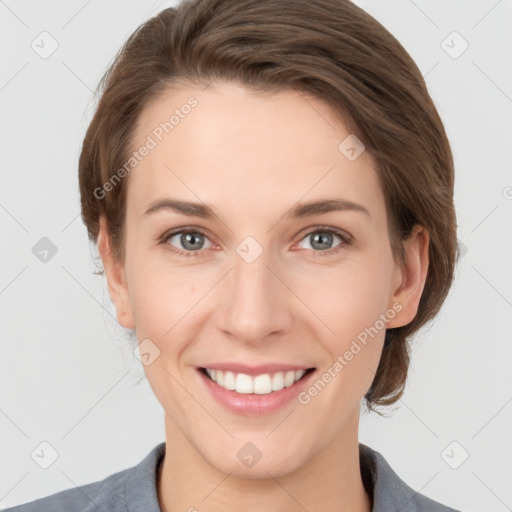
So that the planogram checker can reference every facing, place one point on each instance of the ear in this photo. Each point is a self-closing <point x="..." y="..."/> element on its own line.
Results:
<point x="411" y="277"/>
<point x="116" y="278"/>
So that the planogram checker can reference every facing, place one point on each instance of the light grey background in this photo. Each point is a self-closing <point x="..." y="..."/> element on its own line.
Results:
<point x="67" y="374"/>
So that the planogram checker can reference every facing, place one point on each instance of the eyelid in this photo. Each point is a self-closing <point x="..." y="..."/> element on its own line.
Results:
<point x="188" y="229"/>
<point x="328" y="229"/>
<point x="346" y="239"/>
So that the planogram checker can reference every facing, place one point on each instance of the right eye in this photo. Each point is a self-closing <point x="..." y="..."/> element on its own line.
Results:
<point x="191" y="241"/>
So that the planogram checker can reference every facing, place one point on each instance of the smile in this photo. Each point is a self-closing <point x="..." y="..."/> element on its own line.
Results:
<point x="262" y="384"/>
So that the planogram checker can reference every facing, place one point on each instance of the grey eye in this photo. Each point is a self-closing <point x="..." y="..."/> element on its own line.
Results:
<point x="189" y="240"/>
<point x="321" y="240"/>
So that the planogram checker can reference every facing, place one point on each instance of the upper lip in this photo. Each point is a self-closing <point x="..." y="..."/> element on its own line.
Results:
<point x="255" y="369"/>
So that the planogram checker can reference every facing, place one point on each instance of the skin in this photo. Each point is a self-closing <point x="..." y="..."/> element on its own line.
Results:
<point x="252" y="157"/>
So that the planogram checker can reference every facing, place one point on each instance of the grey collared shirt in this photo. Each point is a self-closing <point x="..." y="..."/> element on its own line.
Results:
<point x="134" y="490"/>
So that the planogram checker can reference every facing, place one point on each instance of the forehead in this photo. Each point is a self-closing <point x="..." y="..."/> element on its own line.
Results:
<point x="228" y="145"/>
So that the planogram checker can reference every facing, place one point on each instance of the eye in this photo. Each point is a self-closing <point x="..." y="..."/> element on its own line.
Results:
<point x="191" y="242"/>
<point x="321" y="240"/>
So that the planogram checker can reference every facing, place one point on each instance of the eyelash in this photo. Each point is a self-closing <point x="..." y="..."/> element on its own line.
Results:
<point x="346" y="241"/>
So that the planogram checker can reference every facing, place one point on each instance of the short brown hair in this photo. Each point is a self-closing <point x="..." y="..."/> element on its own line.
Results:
<point x="329" y="49"/>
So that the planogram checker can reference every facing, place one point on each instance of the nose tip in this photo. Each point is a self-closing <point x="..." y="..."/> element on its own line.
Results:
<point x="254" y="304"/>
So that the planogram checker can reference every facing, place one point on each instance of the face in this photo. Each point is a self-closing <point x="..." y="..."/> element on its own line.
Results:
<point x="250" y="280"/>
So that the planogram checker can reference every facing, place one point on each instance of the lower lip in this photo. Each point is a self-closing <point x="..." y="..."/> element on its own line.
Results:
<point x="252" y="404"/>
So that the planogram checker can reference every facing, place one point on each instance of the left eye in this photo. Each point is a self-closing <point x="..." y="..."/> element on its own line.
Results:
<point x="322" y="239"/>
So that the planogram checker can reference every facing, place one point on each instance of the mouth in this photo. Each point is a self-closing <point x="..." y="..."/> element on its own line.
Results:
<point x="261" y="384"/>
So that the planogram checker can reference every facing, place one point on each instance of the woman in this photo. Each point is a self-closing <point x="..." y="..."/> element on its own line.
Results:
<point x="271" y="191"/>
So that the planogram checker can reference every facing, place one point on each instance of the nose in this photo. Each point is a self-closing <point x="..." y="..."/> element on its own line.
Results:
<point x="255" y="302"/>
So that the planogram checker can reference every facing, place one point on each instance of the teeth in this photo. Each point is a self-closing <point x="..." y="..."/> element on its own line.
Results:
<point x="243" y="383"/>
<point x="261" y="384"/>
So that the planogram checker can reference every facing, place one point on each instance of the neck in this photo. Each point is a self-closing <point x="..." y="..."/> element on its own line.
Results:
<point x="330" y="481"/>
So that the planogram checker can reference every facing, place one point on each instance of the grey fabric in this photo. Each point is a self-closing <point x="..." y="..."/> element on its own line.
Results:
<point x="134" y="490"/>
<point x="390" y="492"/>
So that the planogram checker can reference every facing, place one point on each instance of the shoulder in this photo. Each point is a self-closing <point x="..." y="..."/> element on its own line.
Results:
<point x="84" y="498"/>
<point x="115" y="493"/>
<point x="390" y="492"/>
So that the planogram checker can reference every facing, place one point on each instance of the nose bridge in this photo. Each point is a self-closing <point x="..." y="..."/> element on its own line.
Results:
<point x="255" y="302"/>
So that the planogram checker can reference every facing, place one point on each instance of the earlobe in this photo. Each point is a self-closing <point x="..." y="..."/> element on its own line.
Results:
<point x="414" y="273"/>
<point x="116" y="278"/>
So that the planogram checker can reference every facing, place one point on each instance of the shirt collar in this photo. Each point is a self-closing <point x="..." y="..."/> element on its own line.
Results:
<point x="386" y="488"/>
<point x="140" y="490"/>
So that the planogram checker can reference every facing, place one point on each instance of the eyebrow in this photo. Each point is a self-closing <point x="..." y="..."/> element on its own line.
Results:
<point x="301" y="210"/>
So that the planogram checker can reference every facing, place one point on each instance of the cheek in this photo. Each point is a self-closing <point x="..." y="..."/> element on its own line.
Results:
<point x="356" y="298"/>
<point x="162" y="304"/>
<point x="351" y="297"/>
<point x="354" y="312"/>
<point x="160" y="293"/>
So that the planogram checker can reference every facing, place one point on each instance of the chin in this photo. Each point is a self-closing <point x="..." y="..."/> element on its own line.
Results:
<point x="248" y="462"/>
